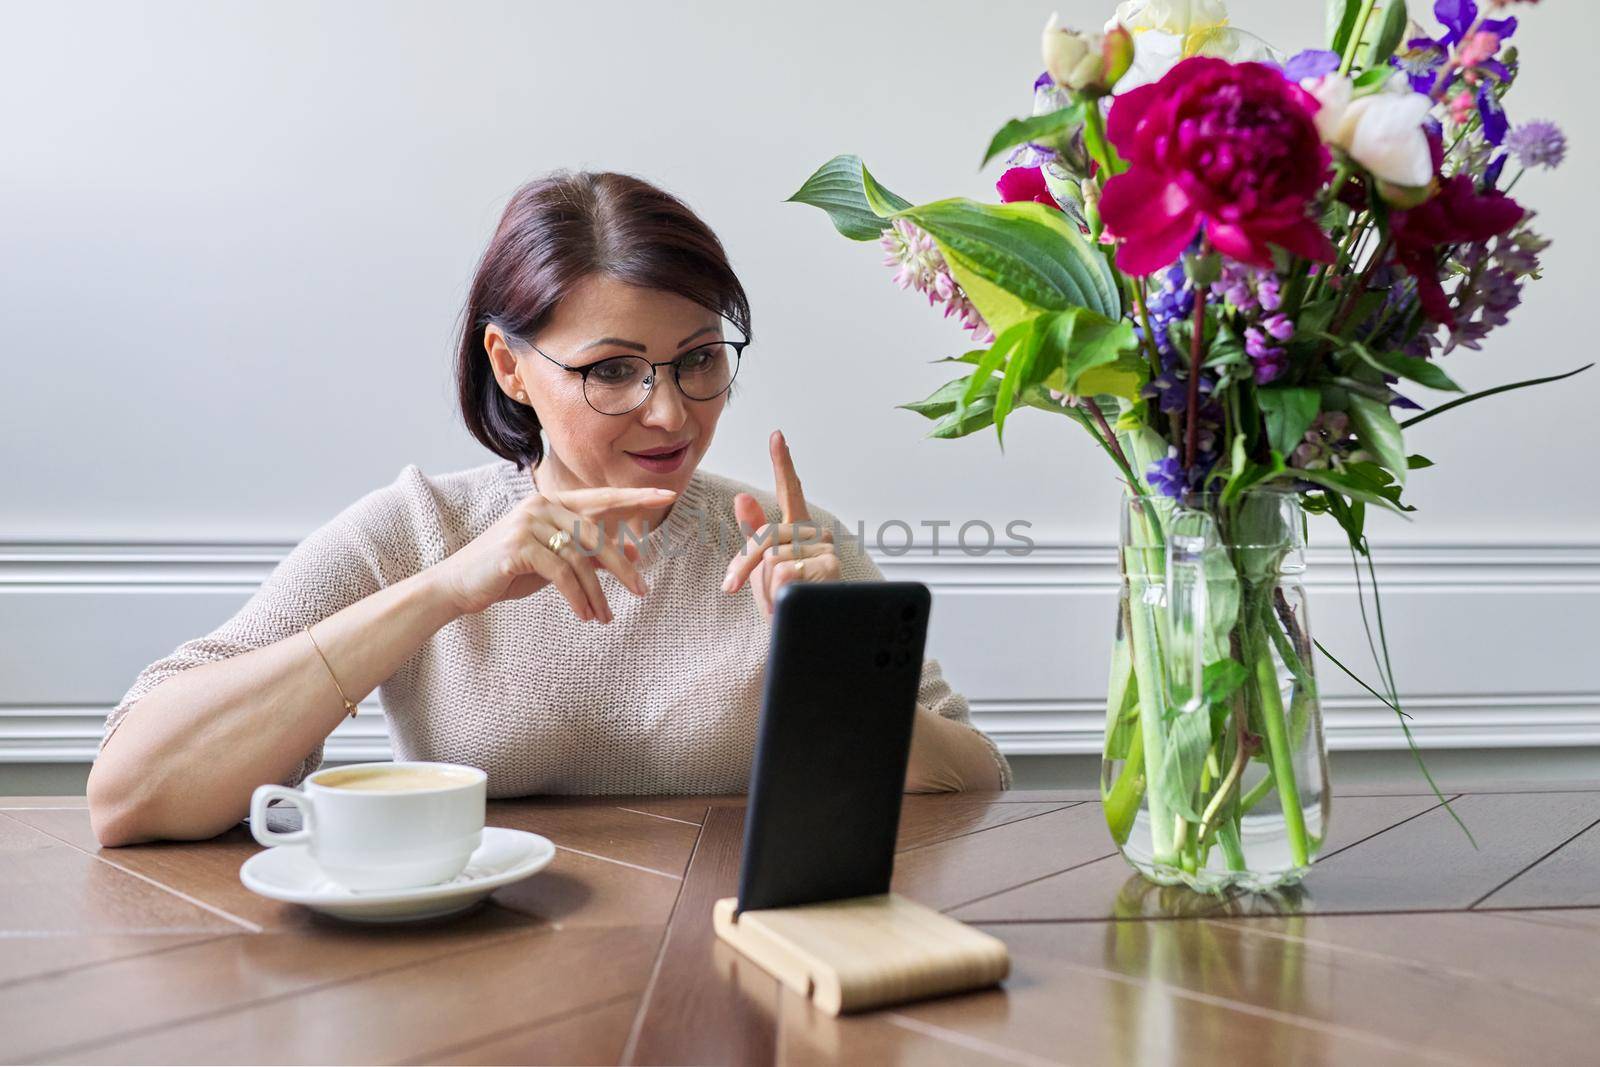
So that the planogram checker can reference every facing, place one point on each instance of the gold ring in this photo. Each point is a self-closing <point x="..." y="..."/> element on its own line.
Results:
<point x="799" y="568"/>
<point x="558" y="540"/>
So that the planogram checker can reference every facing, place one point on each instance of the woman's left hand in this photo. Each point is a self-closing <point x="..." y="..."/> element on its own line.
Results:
<point x="794" y="550"/>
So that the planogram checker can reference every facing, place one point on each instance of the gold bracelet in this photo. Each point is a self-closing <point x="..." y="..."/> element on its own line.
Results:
<point x="351" y="708"/>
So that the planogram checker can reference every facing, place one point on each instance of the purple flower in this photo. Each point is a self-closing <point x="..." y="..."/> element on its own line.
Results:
<point x="1247" y="288"/>
<point x="1423" y="57"/>
<point x="1494" y="117"/>
<point x="1170" y="303"/>
<point x="1420" y="61"/>
<point x="1047" y="97"/>
<point x="1268" y="359"/>
<point x="1458" y="16"/>
<point x="1311" y="63"/>
<point x="1491" y="173"/>
<point x="1328" y="431"/>
<point x="1166" y="475"/>
<point x="1404" y="403"/>
<point x="1538" y="144"/>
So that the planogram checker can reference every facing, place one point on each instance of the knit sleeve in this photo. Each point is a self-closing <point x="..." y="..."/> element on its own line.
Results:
<point x="933" y="693"/>
<point x="332" y="568"/>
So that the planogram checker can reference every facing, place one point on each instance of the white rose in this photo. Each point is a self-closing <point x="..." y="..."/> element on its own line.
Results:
<point x="1382" y="131"/>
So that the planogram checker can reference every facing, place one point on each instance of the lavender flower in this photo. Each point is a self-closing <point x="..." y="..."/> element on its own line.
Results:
<point x="1166" y="475"/>
<point x="1247" y="288"/>
<point x="920" y="266"/>
<point x="1268" y="359"/>
<point x="1492" y="287"/>
<point x="1538" y="144"/>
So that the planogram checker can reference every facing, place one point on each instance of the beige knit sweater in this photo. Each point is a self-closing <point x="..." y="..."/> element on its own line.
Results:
<point x="665" y="699"/>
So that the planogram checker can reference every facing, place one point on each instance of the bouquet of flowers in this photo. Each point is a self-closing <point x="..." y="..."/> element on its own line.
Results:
<point x="1229" y="266"/>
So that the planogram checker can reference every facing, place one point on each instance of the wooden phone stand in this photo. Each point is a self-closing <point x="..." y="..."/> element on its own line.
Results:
<point x="864" y="952"/>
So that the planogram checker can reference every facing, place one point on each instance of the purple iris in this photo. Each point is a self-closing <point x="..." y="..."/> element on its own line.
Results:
<point x="1423" y="57"/>
<point x="1491" y="173"/>
<point x="1311" y="63"/>
<point x="1457" y="17"/>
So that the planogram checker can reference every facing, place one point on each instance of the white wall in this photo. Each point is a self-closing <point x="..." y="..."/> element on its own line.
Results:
<point x="236" y="237"/>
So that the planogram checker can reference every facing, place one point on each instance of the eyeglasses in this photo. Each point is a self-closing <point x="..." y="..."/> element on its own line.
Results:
<point x="617" y="385"/>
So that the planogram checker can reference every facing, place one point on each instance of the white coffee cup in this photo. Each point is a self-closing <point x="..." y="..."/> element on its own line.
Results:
<point x="383" y="825"/>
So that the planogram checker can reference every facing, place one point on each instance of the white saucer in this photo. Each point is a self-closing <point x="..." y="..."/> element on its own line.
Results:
<point x="288" y="873"/>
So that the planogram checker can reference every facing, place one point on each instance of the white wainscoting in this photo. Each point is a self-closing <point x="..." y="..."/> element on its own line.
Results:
<point x="1494" y="643"/>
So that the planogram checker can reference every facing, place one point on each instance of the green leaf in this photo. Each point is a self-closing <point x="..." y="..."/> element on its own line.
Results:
<point x="941" y="401"/>
<point x="1016" y="260"/>
<point x="1422" y="371"/>
<point x="975" y="356"/>
<point x="1089" y="355"/>
<point x="1357" y="484"/>
<point x="1019" y="365"/>
<point x="1315" y="316"/>
<point x="1458" y="401"/>
<point x="1388" y="39"/>
<point x="1379" y="433"/>
<point x="1418" y="462"/>
<point x="1221" y="679"/>
<point x="840" y="188"/>
<point x="1341" y="19"/>
<point x="1289" y="412"/>
<point x="1034" y="128"/>
<point x="978" y="415"/>
<point x="1371" y="79"/>
<point x="1188" y="741"/>
<point x="994" y="358"/>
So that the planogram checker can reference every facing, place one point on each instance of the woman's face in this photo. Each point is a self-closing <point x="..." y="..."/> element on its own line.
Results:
<point x="599" y="319"/>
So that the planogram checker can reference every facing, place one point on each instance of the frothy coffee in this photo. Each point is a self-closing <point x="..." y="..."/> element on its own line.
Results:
<point x="394" y="779"/>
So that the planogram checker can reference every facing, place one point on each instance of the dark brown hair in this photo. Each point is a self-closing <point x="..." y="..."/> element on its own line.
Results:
<point x="556" y="231"/>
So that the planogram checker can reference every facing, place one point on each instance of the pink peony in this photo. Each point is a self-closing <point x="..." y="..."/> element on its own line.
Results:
<point x="1456" y="214"/>
<point x="1025" y="183"/>
<point x="1232" y="147"/>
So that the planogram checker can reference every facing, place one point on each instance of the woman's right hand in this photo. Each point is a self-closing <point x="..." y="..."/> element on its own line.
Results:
<point x="512" y="558"/>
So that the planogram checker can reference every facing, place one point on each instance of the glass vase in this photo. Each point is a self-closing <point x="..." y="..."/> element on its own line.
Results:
<point x="1215" y="772"/>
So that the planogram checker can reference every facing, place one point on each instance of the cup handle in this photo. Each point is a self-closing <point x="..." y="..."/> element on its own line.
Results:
<point x="258" y="815"/>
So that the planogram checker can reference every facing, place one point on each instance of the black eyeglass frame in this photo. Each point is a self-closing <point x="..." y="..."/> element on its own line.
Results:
<point x="583" y="372"/>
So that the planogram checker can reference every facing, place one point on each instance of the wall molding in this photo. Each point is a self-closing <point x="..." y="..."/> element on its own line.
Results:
<point x="243" y="564"/>
<point x="1564" y="576"/>
<point x="71" y="734"/>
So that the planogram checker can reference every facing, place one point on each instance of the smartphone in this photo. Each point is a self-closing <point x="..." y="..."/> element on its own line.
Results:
<point x="837" y="711"/>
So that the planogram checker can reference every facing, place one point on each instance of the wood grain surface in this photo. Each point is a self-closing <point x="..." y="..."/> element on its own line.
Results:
<point x="1406" y="945"/>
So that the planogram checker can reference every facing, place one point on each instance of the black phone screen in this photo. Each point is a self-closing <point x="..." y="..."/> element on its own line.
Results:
<point x="837" y="712"/>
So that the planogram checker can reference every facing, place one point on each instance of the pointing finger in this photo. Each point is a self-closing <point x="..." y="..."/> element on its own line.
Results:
<point x="791" y="499"/>
<point x="610" y="502"/>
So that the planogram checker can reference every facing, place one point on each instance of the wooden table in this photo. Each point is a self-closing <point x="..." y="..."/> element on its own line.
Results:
<point x="1407" y="946"/>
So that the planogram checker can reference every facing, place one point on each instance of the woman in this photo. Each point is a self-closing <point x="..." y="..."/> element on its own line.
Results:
<point x="570" y="617"/>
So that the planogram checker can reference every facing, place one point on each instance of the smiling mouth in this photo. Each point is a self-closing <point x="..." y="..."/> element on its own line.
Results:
<point x="661" y="453"/>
